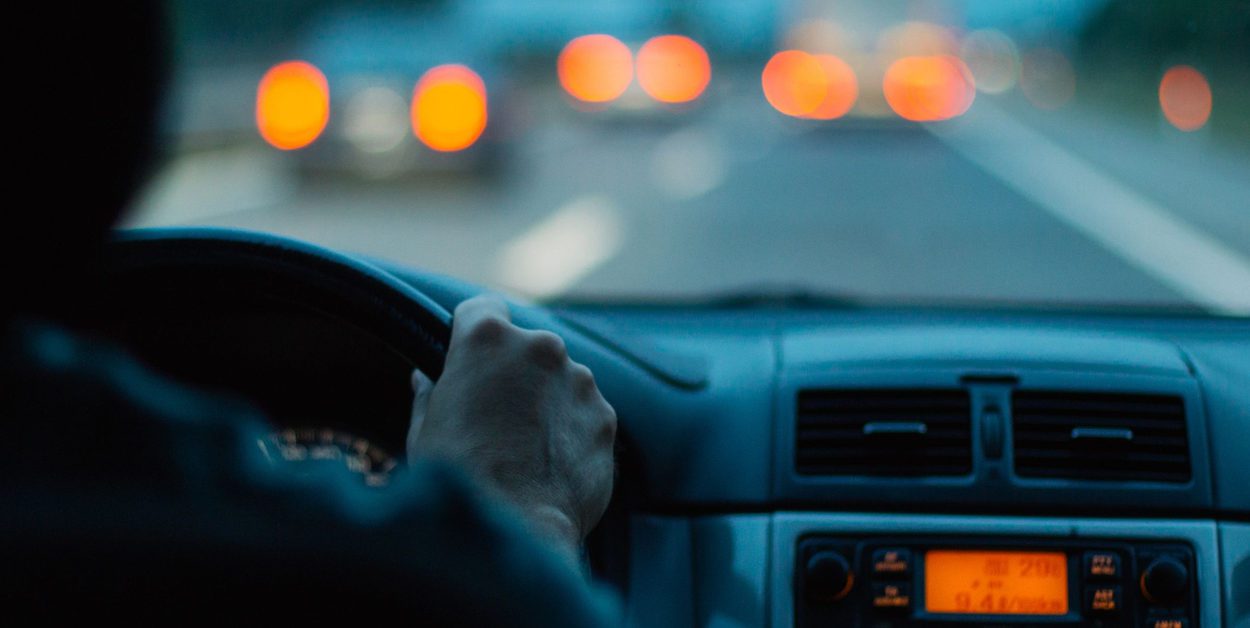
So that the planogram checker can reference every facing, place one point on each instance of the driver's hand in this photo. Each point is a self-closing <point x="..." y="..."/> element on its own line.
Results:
<point x="522" y="418"/>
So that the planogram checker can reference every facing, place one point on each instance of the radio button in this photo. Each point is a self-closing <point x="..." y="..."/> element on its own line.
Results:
<point x="891" y="562"/>
<point x="828" y="577"/>
<point x="1165" y="581"/>
<point x="1102" y="565"/>
<point x="893" y="596"/>
<point x="1103" y="600"/>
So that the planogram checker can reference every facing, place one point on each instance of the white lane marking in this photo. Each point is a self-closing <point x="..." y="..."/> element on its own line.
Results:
<point x="1196" y="265"/>
<point x="565" y="246"/>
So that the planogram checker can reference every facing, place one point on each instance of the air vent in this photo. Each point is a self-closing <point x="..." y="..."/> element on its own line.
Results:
<point x="884" y="432"/>
<point x="1100" y="436"/>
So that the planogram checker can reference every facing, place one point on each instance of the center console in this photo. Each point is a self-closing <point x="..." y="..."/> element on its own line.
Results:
<point x="1018" y="581"/>
<point x="887" y="571"/>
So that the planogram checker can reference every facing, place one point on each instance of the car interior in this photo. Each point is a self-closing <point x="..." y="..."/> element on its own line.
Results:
<point x="794" y="467"/>
<point x="913" y="313"/>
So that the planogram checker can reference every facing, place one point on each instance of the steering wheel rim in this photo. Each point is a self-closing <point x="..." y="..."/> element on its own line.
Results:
<point x="407" y="319"/>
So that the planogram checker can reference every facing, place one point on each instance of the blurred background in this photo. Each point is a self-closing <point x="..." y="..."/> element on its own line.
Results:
<point x="1033" y="153"/>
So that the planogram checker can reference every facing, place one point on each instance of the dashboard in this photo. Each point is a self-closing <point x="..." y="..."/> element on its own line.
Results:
<point x="810" y="467"/>
<point x="972" y="444"/>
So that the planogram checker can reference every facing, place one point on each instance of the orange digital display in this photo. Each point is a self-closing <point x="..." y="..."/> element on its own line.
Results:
<point x="995" y="583"/>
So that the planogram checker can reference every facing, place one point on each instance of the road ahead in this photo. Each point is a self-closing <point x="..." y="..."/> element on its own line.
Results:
<point x="1006" y="204"/>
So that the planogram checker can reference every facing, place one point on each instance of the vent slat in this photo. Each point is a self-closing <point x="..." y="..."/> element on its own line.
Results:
<point x="953" y="451"/>
<point x="1100" y="457"/>
<point x="925" y="405"/>
<point x="1111" y="474"/>
<point x="1065" y="437"/>
<point x="1043" y="422"/>
<point x="830" y="439"/>
<point x="857" y="432"/>
<point x="1137" y="404"/>
<point x="1073" y="420"/>
<point x="859" y="418"/>
<point x="931" y="468"/>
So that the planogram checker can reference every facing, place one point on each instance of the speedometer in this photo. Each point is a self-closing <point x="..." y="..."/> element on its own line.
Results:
<point x="310" y="447"/>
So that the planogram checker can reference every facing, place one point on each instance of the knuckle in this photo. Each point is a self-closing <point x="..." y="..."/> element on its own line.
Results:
<point x="547" y="349"/>
<point x="583" y="379"/>
<point x="488" y="331"/>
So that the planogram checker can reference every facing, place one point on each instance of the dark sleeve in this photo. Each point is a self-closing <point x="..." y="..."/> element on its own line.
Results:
<point x="129" y="496"/>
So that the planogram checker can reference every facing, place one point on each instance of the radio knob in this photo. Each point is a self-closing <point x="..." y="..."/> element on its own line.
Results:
<point x="1165" y="580"/>
<point x="828" y="577"/>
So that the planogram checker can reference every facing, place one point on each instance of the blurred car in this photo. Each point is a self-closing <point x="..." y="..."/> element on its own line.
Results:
<point x="373" y="59"/>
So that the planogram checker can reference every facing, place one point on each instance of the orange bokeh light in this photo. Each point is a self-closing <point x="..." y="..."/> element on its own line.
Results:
<point x="1185" y="97"/>
<point x="925" y="89"/>
<point x="449" y="108"/>
<point x="292" y="105"/>
<point x="794" y="83"/>
<point x="595" y="68"/>
<point x="673" y="68"/>
<point x="843" y="89"/>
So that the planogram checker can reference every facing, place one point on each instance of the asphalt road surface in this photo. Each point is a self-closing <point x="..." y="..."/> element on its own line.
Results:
<point x="1007" y="204"/>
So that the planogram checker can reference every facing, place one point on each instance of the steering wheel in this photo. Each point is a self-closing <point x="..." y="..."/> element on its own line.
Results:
<point x="313" y="338"/>
<point x="411" y="323"/>
<point x="110" y="555"/>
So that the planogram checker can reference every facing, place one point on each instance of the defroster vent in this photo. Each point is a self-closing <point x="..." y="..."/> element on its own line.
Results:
<point x="1100" y="436"/>
<point x="883" y="432"/>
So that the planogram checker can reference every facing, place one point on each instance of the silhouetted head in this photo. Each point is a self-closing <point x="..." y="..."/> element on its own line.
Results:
<point x="87" y="92"/>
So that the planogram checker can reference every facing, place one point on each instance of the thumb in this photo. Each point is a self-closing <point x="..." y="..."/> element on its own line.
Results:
<point x="422" y="386"/>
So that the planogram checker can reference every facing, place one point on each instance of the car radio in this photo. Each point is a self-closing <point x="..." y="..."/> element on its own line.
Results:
<point x="957" y="581"/>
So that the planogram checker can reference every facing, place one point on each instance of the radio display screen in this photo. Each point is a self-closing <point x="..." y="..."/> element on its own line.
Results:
<point x="974" y="582"/>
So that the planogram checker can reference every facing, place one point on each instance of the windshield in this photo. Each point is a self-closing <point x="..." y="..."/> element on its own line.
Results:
<point x="1033" y="153"/>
